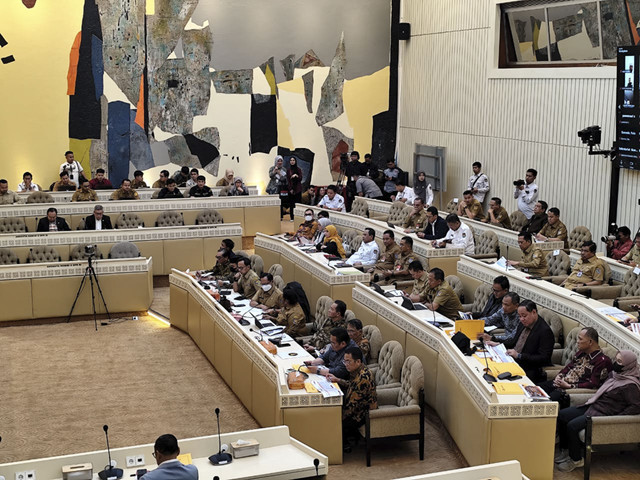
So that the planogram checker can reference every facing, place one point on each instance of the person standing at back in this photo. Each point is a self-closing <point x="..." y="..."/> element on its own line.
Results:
<point x="478" y="182"/>
<point x="294" y="180"/>
<point x="527" y="193"/>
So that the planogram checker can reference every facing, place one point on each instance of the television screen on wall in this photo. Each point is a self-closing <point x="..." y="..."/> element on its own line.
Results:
<point x="628" y="108"/>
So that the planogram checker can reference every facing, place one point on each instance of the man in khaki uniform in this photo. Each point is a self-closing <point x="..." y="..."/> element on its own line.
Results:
<point x="433" y="288"/>
<point x="247" y="283"/>
<point x="85" y="194"/>
<point x="269" y="296"/>
<point x="554" y="230"/>
<point x="587" y="271"/>
<point x="417" y="219"/>
<point x="7" y="197"/>
<point x="497" y="214"/>
<point x="533" y="260"/>
<point x="292" y="316"/>
<point x="470" y="207"/>
<point x="125" y="192"/>
<point x="401" y="262"/>
<point x="387" y="258"/>
<point x="633" y="257"/>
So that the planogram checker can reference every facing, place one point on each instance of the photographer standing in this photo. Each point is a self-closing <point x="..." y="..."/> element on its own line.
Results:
<point x="72" y="167"/>
<point x="619" y="247"/>
<point x="352" y="170"/>
<point x="526" y="191"/>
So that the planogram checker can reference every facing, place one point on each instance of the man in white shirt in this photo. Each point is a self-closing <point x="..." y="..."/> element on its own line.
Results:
<point x="405" y="194"/>
<point x="458" y="236"/>
<point x="367" y="254"/>
<point x="27" y="185"/>
<point x="478" y="182"/>
<point x="527" y="193"/>
<point x="193" y="180"/>
<point x="73" y="168"/>
<point x="332" y="201"/>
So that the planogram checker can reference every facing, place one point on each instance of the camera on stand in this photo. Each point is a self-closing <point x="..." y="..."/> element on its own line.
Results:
<point x="591" y="135"/>
<point x="90" y="251"/>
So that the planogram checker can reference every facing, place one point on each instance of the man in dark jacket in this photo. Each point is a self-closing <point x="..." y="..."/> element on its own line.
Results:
<point x="98" y="221"/>
<point x="51" y="223"/>
<point x="436" y="227"/>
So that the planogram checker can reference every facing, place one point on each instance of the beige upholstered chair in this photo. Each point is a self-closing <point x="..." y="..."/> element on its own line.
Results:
<point x="129" y="220"/>
<point x="209" y="216"/>
<point x="322" y="309"/>
<point x="400" y="412"/>
<point x="351" y="240"/>
<point x="487" y="245"/>
<point x="43" y="254"/>
<point x="624" y="295"/>
<point x="559" y="264"/>
<point x="452" y="207"/>
<point x="372" y="333"/>
<point x="390" y="358"/>
<point x="276" y="269"/>
<point x="78" y="252"/>
<point x="555" y="323"/>
<point x="279" y="282"/>
<point x="583" y="290"/>
<point x="124" y="250"/>
<point x="359" y="207"/>
<point x="81" y="225"/>
<point x="155" y="194"/>
<point x="518" y="220"/>
<point x="480" y="298"/>
<point x="12" y="225"/>
<point x="397" y="213"/>
<point x="40" y="197"/>
<point x="457" y="286"/>
<point x="257" y="264"/>
<point x="170" y="219"/>
<point x="226" y="191"/>
<point x="7" y="257"/>
<point x="578" y="236"/>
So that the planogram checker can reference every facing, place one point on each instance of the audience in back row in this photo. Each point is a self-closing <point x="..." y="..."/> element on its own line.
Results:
<point x="8" y="197"/>
<point x="73" y="168"/>
<point x="27" y="185"/>
<point x="138" y="180"/>
<point x="125" y="192"/>
<point x="100" y="182"/>
<point x="170" y="190"/>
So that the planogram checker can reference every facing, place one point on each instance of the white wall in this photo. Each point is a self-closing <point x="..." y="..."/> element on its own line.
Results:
<point x="449" y="98"/>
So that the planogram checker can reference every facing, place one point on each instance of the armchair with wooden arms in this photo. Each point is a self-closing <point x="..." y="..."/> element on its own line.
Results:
<point x="397" y="213"/>
<point x="480" y="298"/>
<point x="487" y="246"/>
<point x="372" y="333"/>
<point x="518" y="220"/>
<point x="400" y="412"/>
<point x="387" y="372"/>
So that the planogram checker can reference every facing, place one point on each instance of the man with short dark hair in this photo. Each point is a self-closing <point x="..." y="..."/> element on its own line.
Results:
<point x="527" y="194"/>
<point x="587" y="271"/>
<point x="355" y="331"/>
<point x="138" y="180"/>
<point x="533" y="260"/>
<point x="98" y="221"/>
<point x="619" y="247"/>
<point x="538" y="219"/>
<point x="470" y="207"/>
<point x="554" y="230"/>
<point x="478" y="183"/>
<point x="200" y="190"/>
<point x="387" y="258"/>
<point x="181" y="176"/>
<point x="330" y="362"/>
<point x="497" y="214"/>
<point x="291" y="315"/>
<point x="402" y="261"/>
<point x="391" y="175"/>
<point x="52" y="223"/>
<point x="335" y="319"/>
<point x="367" y="254"/>
<point x="403" y="194"/>
<point x="369" y="168"/>
<point x="500" y="288"/>
<point x="459" y="236"/>
<point x="8" y="197"/>
<point x="417" y="218"/>
<point x="162" y="181"/>
<point x="435" y="227"/>
<point x="222" y="269"/>
<point x="125" y="192"/>
<point x="366" y="187"/>
<point x="434" y="291"/>
<point x="170" y="190"/>
<point x="505" y="317"/>
<point x="85" y="194"/>
<point x="64" y="184"/>
<point x="27" y="184"/>
<point x="333" y="201"/>
<point x="166" y="452"/>
<point x="100" y="182"/>
<point x="269" y="296"/>
<point x="72" y="167"/>
<point x="193" y="180"/>
<point x="247" y="281"/>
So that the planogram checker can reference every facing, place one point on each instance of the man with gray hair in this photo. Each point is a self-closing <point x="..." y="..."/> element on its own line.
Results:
<point x="98" y="221"/>
<point x="506" y="317"/>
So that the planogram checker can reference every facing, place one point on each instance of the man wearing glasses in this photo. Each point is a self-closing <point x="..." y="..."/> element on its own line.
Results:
<point x="500" y="288"/>
<point x="330" y="362"/>
<point x="247" y="282"/>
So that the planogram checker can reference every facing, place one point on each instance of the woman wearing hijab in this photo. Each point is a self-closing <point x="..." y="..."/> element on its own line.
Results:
<point x="294" y="180"/>
<point x="277" y="176"/>
<point x="332" y="243"/>
<point x="423" y="189"/>
<point x="618" y="395"/>
<point x="227" y="179"/>
<point x="239" y="188"/>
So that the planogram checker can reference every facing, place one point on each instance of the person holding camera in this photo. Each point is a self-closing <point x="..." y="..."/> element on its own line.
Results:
<point x="619" y="247"/>
<point x="72" y="167"/>
<point x="526" y="191"/>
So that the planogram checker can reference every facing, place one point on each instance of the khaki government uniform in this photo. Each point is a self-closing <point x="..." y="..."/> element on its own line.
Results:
<point x="221" y="272"/>
<point x="448" y="302"/>
<point x="534" y="262"/>
<point x="308" y="229"/>
<point x="271" y="299"/>
<point x="140" y="184"/>
<point x="401" y="264"/>
<point x="585" y="272"/>
<point x="416" y="222"/>
<point x="475" y="207"/>
<point x="293" y="319"/>
<point x="502" y="217"/>
<point x="9" y="198"/>
<point x="249" y="284"/>
<point x="120" y="194"/>
<point x="633" y="255"/>
<point x="159" y="184"/>
<point x="557" y="230"/>
<point x="80" y="196"/>
<point x="386" y="260"/>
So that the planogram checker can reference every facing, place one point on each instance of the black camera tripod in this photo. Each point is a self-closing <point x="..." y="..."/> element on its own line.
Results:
<point x="91" y="274"/>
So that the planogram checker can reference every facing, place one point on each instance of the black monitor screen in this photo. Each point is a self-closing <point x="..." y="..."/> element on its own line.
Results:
<point x="628" y="108"/>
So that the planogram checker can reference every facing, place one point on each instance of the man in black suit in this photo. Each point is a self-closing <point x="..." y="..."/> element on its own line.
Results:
<point x="533" y="343"/>
<point x="51" y="223"/>
<point x="97" y="221"/>
<point x="436" y="227"/>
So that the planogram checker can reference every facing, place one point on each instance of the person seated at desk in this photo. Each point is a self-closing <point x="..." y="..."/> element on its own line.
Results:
<point x="193" y="178"/>
<point x="619" y="247"/>
<point x="162" y="181"/>
<point x="506" y="317"/>
<point x="333" y="201"/>
<point x="497" y="215"/>
<point x="538" y="219"/>
<point x="309" y="227"/>
<point x="269" y="297"/>
<point x="247" y="282"/>
<point x="335" y="319"/>
<point x="436" y="226"/>
<point x="402" y="260"/>
<point x="432" y="287"/>
<point x="291" y="315"/>
<point x="166" y="452"/>
<point x="200" y="190"/>
<point x="332" y="243"/>
<point x="64" y="184"/>
<point x="331" y="361"/>
<point x="618" y="395"/>
<point x="459" y="236"/>
<point x="170" y="191"/>
<point x="533" y="260"/>
<point x="228" y="244"/>
<point x="8" y="197"/>
<point x="52" y="223"/>
<point x="27" y="184"/>
<point x="403" y="194"/>
<point x="417" y="218"/>
<point x="238" y="188"/>
<point x="533" y="342"/>
<point x="633" y="257"/>
<point x="554" y="230"/>
<point x="354" y="329"/>
<point x="360" y="395"/>
<point x="323" y="221"/>
<point x="227" y="179"/>
<point x="98" y="221"/>
<point x="588" y="368"/>
<point x="125" y="192"/>
<point x="470" y="207"/>
<point x="587" y="271"/>
<point x="367" y="254"/>
<point x="387" y="258"/>
<point x="500" y="288"/>
<point x="181" y="176"/>
<point x="138" y="180"/>
<point x="100" y="182"/>
<point x="222" y="269"/>
<point x="85" y="194"/>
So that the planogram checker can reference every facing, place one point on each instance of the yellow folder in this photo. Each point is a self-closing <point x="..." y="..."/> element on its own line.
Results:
<point x="512" y="367"/>
<point x="471" y="328"/>
<point x="507" y="388"/>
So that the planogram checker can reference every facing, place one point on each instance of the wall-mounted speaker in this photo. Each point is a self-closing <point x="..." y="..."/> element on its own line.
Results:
<point x="404" y="31"/>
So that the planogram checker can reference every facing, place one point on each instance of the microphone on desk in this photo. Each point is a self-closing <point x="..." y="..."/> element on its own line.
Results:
<point x="316" y="463"/>
<point x="487" y="376"/>
<point x="506" y="264"/>
<point x="109" y="471"/>
<point x="220" y="458"/>
<point x="259" y="333"/>
<point x="435" y="323"/>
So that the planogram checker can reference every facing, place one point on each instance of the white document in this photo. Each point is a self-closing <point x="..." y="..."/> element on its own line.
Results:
<point x="499" y="354"/>
<point x="502" y="263"/>
<point x="325" y="388"/>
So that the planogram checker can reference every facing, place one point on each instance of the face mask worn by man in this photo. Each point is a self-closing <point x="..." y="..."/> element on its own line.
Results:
<point x="308" y="218"/>
<point x="266" y="288"/>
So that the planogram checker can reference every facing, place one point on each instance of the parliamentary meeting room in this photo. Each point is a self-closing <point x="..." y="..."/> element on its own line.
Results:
<point x="376" y="239"/>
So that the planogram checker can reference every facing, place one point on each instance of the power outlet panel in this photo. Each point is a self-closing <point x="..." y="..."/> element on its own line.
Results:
<point x="21" y="475"/>
<point x="139" y="460"/>
<point x="131" y="461"/>
<point x="30" y="475"/>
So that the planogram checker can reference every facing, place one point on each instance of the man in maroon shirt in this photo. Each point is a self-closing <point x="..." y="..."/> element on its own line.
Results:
<point x="100" y="182"/>
<point x="618" y="248"/>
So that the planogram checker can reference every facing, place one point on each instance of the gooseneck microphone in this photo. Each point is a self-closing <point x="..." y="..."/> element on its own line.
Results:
<point x="487" y="376"/>
<point x="506" y="268"/>
<point x="109" y="471"/>
<point x="220" y="458"/>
